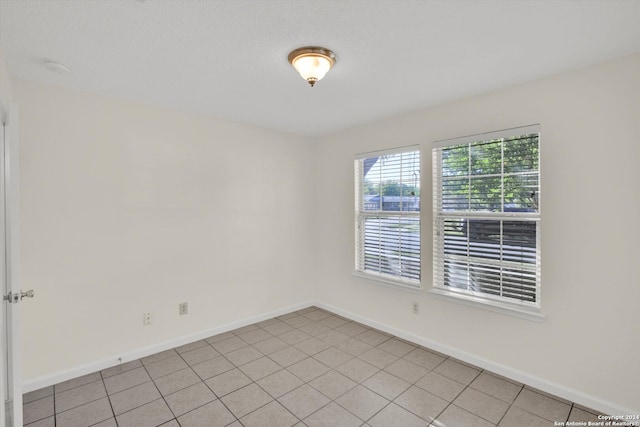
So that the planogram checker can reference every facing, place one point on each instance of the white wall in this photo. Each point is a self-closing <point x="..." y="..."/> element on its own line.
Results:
<point x="590" y="145"/>
<point x="5" y="83"/>
<point x="128" y="208"/>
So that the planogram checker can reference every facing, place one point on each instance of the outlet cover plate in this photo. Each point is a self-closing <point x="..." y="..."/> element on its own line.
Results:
<point x="183" y="308"/>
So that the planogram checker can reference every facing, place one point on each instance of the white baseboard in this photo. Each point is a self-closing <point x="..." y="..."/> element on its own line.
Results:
<point x="108" y="362"/>
<point x="563" y="392"/>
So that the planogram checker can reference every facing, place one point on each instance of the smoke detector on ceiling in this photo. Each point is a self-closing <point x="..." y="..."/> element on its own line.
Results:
<point x="56" y="67"/>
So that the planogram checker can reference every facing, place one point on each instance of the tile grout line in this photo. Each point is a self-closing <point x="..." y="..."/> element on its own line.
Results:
<point x="457" y="395"/>
<point x="511" y="405"/>
<point x="108" y="398"/>
<point x="55" y="413"/>
<point x="161" y="396"/>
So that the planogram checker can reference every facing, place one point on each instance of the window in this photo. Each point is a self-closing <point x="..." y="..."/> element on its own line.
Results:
<point x="486" y="218"/>
<point x="388" y="216"/>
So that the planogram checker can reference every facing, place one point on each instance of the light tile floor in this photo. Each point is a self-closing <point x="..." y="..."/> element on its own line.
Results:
<point x="307" y="368"/>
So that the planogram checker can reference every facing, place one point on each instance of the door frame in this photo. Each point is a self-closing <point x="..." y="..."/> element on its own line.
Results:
<point x="4" y="369"/>
<point x="10" y="321"/>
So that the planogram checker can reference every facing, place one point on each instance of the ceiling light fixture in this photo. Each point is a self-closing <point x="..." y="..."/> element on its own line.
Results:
<point x="57" y="67"/>
<point x="312" y="62"/>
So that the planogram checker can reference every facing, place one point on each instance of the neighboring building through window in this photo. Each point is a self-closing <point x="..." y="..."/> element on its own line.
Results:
<point x="388" y="216"/>
<point x="486" y="218"/>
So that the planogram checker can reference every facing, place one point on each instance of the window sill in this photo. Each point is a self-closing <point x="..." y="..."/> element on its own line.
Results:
<point x="390" y="283"/>
<point x="495" y="306"/>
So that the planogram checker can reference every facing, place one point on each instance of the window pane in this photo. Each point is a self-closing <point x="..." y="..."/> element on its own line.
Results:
<point x="486" y="194"/>
<point x="519" y="284"/>
<point x="486" y="157"/>
<point x="392" y="246"/>
<point x="519" y="241"/>
<point x="410" y="179"/>
<point x="521" y="154"/>
<point x="455" y="238"/>
<point x="392" y="182"/>
<point x="483" y="231"/>
<point x="455" y="194"/>
<point x="485" y="278"/>
<point x="455" y="161"/>
<point x="370" y="184"/>
<point x="371" y="202"/>
<point x="456" y="274"/>
<point x="521" y="193"/>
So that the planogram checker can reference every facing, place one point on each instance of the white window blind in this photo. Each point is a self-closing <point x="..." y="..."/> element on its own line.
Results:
<point x="486" y="217"/>
<point x="388" y="216"/>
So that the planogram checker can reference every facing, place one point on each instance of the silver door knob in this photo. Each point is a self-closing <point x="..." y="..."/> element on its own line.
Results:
<point x="27" y="294"/>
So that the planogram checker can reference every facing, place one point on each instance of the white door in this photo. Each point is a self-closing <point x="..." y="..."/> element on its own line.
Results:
<point x="11" y="390"/>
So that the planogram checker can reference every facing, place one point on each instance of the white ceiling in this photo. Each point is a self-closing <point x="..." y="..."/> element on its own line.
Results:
<point x="228" y="58"/>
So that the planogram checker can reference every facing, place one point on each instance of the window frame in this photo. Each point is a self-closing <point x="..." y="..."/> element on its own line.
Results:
<point x="360" y="271"/>
<point x="477" y="298"/>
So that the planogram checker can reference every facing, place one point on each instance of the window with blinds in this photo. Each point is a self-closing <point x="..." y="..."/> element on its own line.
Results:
<point x="486" y="217"/>
<point x="388" y="216"/>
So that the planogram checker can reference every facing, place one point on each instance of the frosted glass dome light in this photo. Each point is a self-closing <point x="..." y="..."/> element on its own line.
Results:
<point x="312" y="62"/>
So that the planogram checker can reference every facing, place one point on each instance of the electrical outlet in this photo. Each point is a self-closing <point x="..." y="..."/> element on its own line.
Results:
<point x="183" y="308"/>
<point x="416" y="308"/>
<point x="146" y="319"/>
